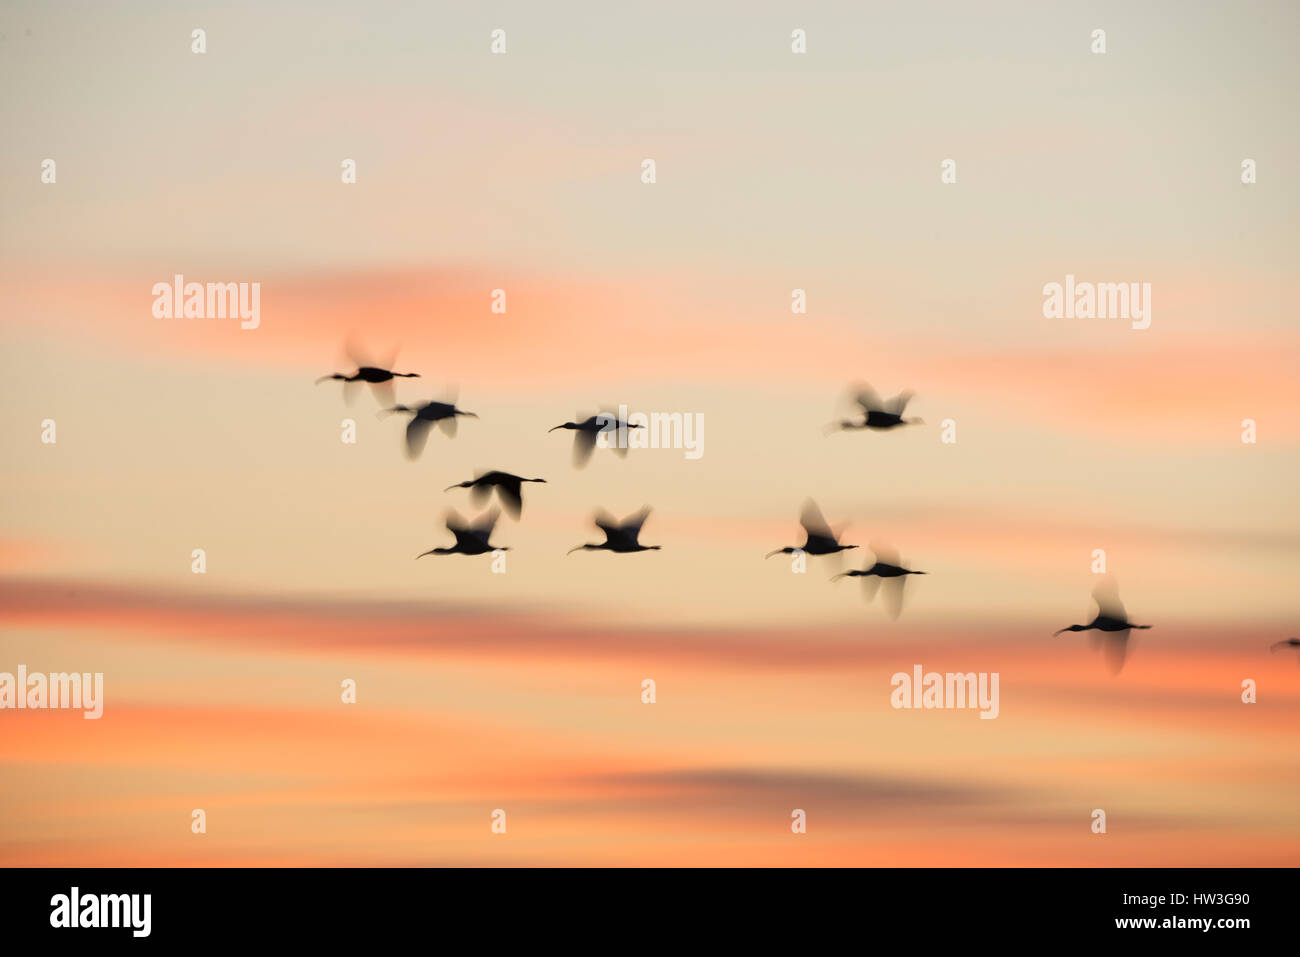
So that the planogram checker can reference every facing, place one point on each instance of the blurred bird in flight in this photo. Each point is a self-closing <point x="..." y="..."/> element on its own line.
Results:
<point x="471" y="537"/>
<point x="509" y="489"/>
<point x="619" y="536"/>
<point x="1112" y="621"/>
<point x="886" y="570"/>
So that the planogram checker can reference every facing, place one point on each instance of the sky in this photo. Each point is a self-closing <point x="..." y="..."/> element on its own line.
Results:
<point x="522" y="690"/>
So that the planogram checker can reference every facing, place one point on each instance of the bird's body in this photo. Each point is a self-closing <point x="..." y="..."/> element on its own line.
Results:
<point x="509" y="489"/>
<point x="877" y="414"/>
<point x="471" y="538"/>
<point x="425" y="417"/>
<point x="821" y="540"/>
<point x="880" y="570"/>
<point x="1112" y="621"/>
<point x="588" y="429"/>
<point x="887" y="569"/>
<point x="619" y="536"/>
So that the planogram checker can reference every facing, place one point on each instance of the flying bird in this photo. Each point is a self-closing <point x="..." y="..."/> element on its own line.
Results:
<point x="877" y="414"/>
<point x="1112" y="621"/>
<point x="590" y="427"/>
<point x="425" y="417"/>
<point x="888" y="570"/>
<point x="471" y="538"/>
<point x="508" y="488"/>
<point x="377" y="373"/>
<point x="619" y="536"/>
<point x="821" y="540"/>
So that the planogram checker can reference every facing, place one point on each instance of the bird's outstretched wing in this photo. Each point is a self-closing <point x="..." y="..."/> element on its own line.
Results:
<point x="457" y="525"/>
<point x="584" y="443"/>
<point x="814" y="523"/>
<point x="893" y="596"/>
<point x="511" y="497"/>
<point x="383" y="393"/>
<point x="1106" y="595"/>
<point x="870" y="585"/>
<point x="634" y="521"/>
<point x="1114" y="649"/>
<point x="358" y="355"/>
<point x="886" y="553"/>
<point x="417" y="435"/>
<point x="483" y="525"/>
<point x="866" y="397"/>
<point x="898" y="403"/>
<point x="350" y="392"/>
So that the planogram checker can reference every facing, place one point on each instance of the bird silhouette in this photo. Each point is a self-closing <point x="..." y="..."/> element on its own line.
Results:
<point x="886" y="570"/>
<point x="821" y="540"/>
<point x="877" y="414"/>
<point x="1112" y="621"/>
<point x="376" y="373"/>
<point x="588" y="429"/>
<point x="471" y="538"/>
<point x="619" y="536"/>
<point x="1285" y="643"/>
<point x="425" y="417"/>
<point x="508" y="487"/>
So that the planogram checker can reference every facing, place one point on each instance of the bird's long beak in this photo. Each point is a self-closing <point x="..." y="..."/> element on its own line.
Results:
<point x="450" y="487"/>
<point x="557" y="427"/>
<point x="324" y="378"/>
<point x="1062" y="631"/>
<point x="776" y="552"/>
<point x="839" y="576"/>
<point x="576" y="548"/>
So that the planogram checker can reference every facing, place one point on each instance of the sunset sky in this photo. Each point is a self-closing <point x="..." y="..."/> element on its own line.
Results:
<point x="775" y="172"/>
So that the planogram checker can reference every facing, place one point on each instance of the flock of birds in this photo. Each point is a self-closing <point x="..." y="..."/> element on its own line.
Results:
<point x="886" y="570"/>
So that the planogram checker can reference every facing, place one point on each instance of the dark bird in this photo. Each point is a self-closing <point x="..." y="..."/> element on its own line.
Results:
<point x="425" y="417"/>
<point x="821" y="540"/>
<point x="588" y="429"/>
<point x="888" y="570"/>
<point x="471" y="539"/>
<point x="377" y="374"/>
<point x="508" y="487"/>
<point x="1285" y="643"/>
<point x="619" y="536"/>
<point x="1112" y="621"/>
<point x="877" y="414"/>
